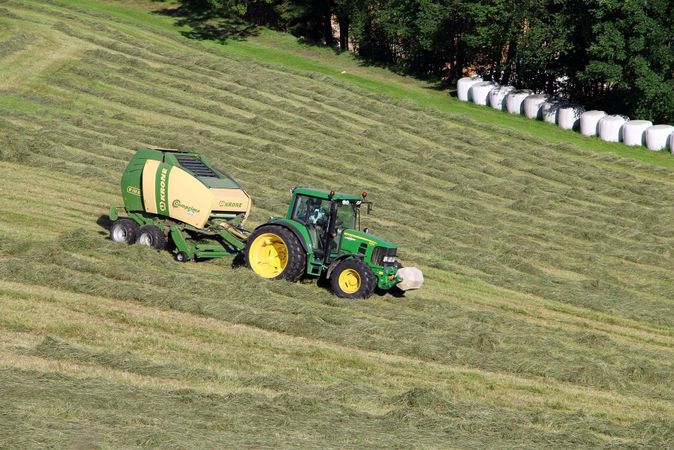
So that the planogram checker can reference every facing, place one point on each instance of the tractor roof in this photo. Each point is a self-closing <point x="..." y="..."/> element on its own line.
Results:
<point x="161" y="149"/>
<point x="325" y="194"/>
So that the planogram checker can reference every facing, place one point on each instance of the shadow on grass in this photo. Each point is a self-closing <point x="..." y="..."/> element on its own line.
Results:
<point x="395" y="292"/>
<point x="104" y="222"/>
<point x="436" y="82"/>
<point x="205" y="24"/>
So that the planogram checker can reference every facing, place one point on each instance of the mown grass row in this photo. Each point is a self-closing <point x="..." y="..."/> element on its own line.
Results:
<point x="190" y="355"/>
<point x="546" y="318"/>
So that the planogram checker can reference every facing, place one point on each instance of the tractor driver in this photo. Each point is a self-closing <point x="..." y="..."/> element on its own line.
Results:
<point x="315" y="217"/>
<point x="315" y="214"/>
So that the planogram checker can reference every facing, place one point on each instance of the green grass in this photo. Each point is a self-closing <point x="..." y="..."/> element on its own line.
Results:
<point x="547" y="314"/>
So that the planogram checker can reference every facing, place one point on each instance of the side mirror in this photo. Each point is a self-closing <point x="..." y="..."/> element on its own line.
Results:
<point x="366" y="230"/>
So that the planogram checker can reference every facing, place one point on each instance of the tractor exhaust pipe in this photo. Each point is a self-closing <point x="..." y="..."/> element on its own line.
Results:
<point x="412" y="278"/>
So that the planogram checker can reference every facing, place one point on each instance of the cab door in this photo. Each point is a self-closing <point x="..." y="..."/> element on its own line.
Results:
<point x="314" y="214"/>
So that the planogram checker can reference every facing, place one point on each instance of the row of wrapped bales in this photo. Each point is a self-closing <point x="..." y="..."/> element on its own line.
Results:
<point x="609" y="128"/>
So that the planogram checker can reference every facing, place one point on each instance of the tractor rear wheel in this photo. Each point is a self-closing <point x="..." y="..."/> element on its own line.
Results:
<point x="152" y="236"/>
<point x="275" y="253"/>
<point x="124" y="230"/>
<point x="352" y="278"/>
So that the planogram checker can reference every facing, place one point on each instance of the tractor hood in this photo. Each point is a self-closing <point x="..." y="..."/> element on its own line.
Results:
<point x="370" y="239"/>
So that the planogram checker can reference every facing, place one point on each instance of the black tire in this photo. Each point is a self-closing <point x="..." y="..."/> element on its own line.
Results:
<point x="182" y="257"/>
<point x="297" y="258"/>
<point x="124" y="230"/>
<point x="152" y="236"/>
<point x="368" y="280"/>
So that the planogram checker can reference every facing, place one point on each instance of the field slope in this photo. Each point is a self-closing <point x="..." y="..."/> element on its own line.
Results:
<point x="547" y="317"/>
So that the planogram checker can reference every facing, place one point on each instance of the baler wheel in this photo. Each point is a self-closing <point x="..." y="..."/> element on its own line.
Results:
<point x="152" y="236"/>
<point x="124" y="230"/>
<point x="182" y="257"/>
<point x="352" y="278"/>
<point x="274" y="252"/>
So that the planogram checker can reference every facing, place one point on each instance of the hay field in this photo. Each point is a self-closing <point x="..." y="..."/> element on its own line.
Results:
<point x="547" y="317"/>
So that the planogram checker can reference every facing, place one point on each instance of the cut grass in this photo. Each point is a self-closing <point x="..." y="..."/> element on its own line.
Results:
<point x="546" y="317"/>
<point x="279" y="48"/>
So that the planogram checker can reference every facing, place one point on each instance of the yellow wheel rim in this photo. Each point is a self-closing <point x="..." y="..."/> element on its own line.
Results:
<point x="268" y="255"/>
<point x="349" y="281"/>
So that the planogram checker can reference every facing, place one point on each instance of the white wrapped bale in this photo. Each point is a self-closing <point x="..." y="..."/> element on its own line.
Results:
<point x="498" y="95"/>
<point x="479" y="92"/>
<point x="589" y="121"/>
<point x="533" y="106"/>
<point x="610" y="128"/>
<point x="658" y="136"/>
<point x="568" y="116"/>
<point x="633" y="132"/>
<point x="549" y="111"/>
<point x="463" y="87"/>
<point x="515" y="101"/>
<point x="671" y="143"/>
<point x="412" y="278"/>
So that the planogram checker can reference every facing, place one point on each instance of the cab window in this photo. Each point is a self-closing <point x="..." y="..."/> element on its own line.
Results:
<point x="346" y="215"/>
<point x="311" y="211"/>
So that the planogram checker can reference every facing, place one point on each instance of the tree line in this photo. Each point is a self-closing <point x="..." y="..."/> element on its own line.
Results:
<point x="616" y="55"/>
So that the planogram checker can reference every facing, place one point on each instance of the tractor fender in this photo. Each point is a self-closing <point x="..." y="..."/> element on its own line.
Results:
<point x="292" y="228"/>
<point x="339" y="259"/>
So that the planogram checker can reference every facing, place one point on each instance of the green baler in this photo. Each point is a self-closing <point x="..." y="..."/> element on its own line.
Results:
<point x="179" y="200"/>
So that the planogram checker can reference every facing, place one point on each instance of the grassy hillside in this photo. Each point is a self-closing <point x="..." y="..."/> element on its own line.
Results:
<point x="547" y="317"/>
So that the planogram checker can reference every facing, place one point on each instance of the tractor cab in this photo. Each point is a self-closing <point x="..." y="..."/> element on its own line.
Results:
<point x="326" y="215"/>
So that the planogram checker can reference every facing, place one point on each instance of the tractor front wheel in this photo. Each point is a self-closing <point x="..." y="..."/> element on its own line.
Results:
<point x="124" y="230"/>
<point x="352" y="278"/>
<point x="152" y="236"/>
<point x="275" y="253"/>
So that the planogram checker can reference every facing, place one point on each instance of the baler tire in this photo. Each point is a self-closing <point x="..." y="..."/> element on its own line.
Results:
<point x="182" y="257"/>
<point x="152" y="236"/>
<point x="295" y="267"/>
<point x="124" y="230"/>
<point x="347" y="269"/>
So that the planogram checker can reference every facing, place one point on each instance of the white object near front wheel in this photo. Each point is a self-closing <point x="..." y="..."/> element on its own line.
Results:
<point x="412" y="278"/>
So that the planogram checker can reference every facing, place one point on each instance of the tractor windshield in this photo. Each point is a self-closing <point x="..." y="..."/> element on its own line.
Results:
<point x="346" y="215"/>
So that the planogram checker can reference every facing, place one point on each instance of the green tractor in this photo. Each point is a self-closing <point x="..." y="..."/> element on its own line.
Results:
<point x="178" y="199"/>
